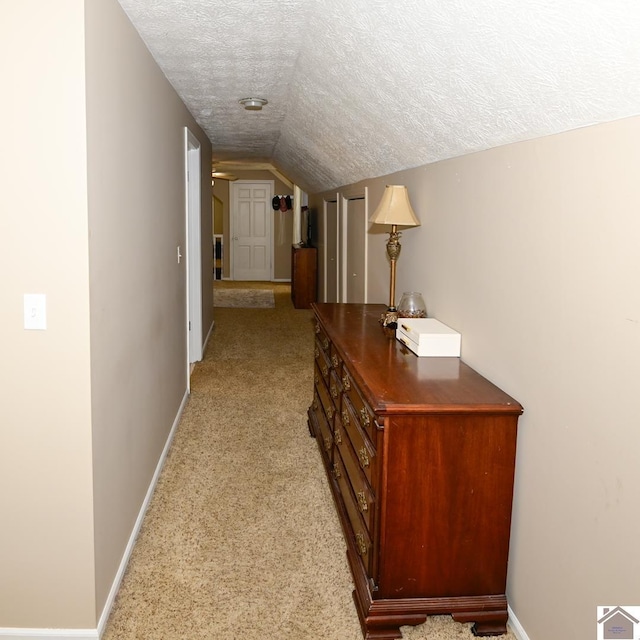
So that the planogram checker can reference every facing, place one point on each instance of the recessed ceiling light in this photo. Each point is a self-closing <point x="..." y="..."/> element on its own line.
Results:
<point x="253" y="104"/>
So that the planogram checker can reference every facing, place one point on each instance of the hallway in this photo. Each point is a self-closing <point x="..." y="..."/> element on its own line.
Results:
<point x="241" y="540"/>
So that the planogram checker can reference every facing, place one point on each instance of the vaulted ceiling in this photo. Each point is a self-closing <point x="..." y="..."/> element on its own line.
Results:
<point x="362" y="88"/>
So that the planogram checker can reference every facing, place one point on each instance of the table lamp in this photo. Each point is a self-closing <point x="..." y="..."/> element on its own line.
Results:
<point x="394" y="209"/>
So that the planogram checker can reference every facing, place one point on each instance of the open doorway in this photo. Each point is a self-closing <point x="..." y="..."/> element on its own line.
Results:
<point x="218" y="238"/>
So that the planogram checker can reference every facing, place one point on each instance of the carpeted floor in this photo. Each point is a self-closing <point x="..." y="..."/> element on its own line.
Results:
<point x="244" y="298"/>
<point x="241" y="541"/>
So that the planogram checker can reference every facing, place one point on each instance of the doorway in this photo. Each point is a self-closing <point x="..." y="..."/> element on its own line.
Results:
<point x="218" y="238"/>
<point x="354" y="237"/>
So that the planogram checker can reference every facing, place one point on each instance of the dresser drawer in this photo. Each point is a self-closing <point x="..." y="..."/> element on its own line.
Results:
<point x="359" y="531"/>
<point x="335" y="360"/>
<point x="323" y="429"/>
<point x="363" y="494"/>
<point x="364" y="451"/>
<point x="328" y="404"/>
<point x="322" y="361"/>
<point x="321" y="338"/>
<point x="364" y="414"/>
<point x="335" y="389"/>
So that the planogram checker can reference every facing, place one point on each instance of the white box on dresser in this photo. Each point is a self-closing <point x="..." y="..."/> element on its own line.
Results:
<point x="428" y="337"/>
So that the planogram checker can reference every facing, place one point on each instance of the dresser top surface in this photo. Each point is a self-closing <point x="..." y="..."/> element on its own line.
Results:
<point x="394" y="378"/>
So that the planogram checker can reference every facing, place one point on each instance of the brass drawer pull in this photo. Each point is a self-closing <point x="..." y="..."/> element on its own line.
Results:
<point x="325" y="370"/>
<point x="362" y="545"/>
<point x="337" y="436"/>
<point x="329" y="413"/>
<point x="317" y="328"/>
<point x="364" y="457"/>
<point x="346" y="383"/>
<point x="364" y="417"/>
<point x="325" y="343"/>
<point x="345" y="418"/>
<point x="334" y="361"/>
<point x="362" y="501"/>
<point x="327" y="443"/>
<point x="336" y="471"/>
<point x="316" y="352"/>
<point x="334" y="391"/>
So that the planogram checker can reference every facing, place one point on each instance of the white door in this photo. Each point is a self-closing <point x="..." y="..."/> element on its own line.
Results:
<point x="251" y="229"/>
<point x="355" y="267"/>
<point x="194" y="252"/>
<point x="331" y="248"/>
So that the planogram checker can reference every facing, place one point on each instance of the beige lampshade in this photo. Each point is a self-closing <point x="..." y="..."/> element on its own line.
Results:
<point x="395" y="208"/>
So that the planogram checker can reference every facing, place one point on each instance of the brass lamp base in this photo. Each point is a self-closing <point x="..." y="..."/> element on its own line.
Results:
<point x="389" y="318"/>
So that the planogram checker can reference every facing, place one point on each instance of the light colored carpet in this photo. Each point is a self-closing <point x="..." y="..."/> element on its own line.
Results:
<point x="244" y="298"/>
<point x="241" y="540"/>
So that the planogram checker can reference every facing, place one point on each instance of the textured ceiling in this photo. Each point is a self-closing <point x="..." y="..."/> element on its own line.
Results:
<point x="362" y="88"/>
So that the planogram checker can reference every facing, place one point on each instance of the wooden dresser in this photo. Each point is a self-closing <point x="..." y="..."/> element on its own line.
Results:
<point x="303" y="276"/>
<point x="420" y="454"/>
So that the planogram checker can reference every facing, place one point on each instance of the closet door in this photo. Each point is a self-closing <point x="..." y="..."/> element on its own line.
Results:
<point x="355" y="240"/>
<point x="331" y="250"/>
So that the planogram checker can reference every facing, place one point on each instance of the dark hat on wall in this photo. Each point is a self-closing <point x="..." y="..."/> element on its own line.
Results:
<point x="275" y="203"/>
<point x="288" y="201"/>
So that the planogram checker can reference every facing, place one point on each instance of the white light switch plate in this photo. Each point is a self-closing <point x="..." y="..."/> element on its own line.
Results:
<point x="35" y="311"/>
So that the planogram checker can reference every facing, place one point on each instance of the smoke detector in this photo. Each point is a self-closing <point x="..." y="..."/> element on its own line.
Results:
<point x="253" y="104"/>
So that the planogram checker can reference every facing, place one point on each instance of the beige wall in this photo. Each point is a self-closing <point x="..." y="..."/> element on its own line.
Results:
<point x="138" y="296"/>
<point x="218" y="213"/>
<point x="530" y="251"/>
<point x="94" y="208"/>
<point x="282" y="229"/>
<point x="46" y="535"/>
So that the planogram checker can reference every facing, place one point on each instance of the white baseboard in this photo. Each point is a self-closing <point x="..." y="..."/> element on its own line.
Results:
<point x="515" y="626"/>
<point x="102" y="623"/>
<point x="59" y="634"/>
<point x="96" y="634"/>
<point x="93" y="634"/>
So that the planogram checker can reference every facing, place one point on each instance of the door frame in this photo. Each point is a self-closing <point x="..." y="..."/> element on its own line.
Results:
<point x="193" y="235"/>
<point x="232" y="224"/>
<point x="325" y="233"/>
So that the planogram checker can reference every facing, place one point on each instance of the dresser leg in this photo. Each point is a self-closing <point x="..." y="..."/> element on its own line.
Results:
<point x="486" y="623"/>
<point x="489" y="628"/>
<point x="383" y="634"/>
